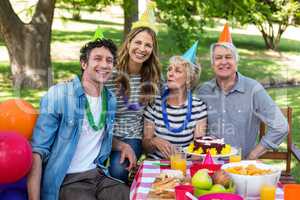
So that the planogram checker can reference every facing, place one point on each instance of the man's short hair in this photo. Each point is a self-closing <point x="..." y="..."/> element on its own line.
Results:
<point x="98" y="43"/>
<point x="227" y="46"/>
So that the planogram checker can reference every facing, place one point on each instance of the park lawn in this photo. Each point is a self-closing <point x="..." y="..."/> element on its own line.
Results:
<point x="256" y="62"/>
<point x="64" y="70"/>
<point x="265" y="66"/>
<point x="290" y="97"/>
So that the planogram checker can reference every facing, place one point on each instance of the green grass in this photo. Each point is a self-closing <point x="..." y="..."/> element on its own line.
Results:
<point x="93" y="21"/>
<point x="65" y="70"/>
<point x="290" y="97"/>
<point x="250" y="42"/>
<point x="76" y="36"/>
<point x="62" y="71"/>
<point x="256" y="62"/>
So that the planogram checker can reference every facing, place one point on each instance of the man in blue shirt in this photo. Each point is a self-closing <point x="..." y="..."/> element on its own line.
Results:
<point x="72" y="138"/>
<point x="237" y="104"/>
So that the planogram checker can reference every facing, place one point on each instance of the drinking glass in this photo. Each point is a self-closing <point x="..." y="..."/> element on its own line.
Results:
<point x="291" y="191"/>
<point x="178" y="160"/>
<point x="236" y="157"/>
<point x="267" y="192"/>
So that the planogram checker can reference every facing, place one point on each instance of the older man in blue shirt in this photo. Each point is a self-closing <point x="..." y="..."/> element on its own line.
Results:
<point x="237" y="104"/>
<point x="73" y="134"/>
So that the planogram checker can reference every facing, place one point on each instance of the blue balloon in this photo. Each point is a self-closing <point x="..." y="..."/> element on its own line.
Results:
<point x="13" y="195"/>
<point x="19" y="185"/>
<point x="14" y="191"/>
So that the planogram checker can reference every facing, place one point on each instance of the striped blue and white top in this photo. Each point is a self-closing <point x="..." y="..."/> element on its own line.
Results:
<point x="128" y="123"/>
<point x="176" y="116"/>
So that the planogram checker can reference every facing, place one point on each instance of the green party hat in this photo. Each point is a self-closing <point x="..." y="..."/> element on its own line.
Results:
<point x="98" y="34"/>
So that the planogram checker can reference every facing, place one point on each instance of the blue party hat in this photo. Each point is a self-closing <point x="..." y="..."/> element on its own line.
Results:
<point x="190" y="55"/>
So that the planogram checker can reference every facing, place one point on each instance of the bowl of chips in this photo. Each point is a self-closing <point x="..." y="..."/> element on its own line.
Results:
<point x="250" y="176"/>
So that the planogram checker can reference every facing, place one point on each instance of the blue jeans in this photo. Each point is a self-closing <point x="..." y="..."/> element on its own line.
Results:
<point x="117" y="169"/>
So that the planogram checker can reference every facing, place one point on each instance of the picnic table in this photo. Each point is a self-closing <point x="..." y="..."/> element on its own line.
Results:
<point x="150" y="169"/>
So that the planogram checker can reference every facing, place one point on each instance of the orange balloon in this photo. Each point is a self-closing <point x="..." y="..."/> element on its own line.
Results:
<point x="19" y="116"/>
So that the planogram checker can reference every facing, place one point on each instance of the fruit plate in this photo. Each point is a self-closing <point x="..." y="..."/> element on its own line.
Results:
<point x="233" y="151"/>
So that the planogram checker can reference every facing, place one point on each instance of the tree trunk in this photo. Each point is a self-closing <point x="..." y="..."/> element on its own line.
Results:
<point x="28" y="44"/>
<point x="271" y="40"/>
<point x="281" y="29"/>
<point x="268" y="41"/>
<point x="75" y="11"/>
<point x="267" y="38"/>
<point x="131" y="14"/>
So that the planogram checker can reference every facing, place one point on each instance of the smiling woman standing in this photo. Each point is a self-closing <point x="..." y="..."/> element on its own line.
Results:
<point x="136" y="81"/>
<point x="176" y="118"/>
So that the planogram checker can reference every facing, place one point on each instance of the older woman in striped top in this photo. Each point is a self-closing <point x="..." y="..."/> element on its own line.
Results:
<point x="176" y="117"/>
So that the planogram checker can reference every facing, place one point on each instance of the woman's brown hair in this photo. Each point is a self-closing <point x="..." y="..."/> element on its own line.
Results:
<point x="150" y="71"/>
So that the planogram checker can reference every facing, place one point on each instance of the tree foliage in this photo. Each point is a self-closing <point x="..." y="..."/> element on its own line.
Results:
<point x="271" y="17"/>
<point x="184" y="18"/>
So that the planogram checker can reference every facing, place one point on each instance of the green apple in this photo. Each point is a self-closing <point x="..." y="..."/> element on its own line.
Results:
<point x="217" y="188"/>
<point x="198" y="192"/>
<point x="202" y="180"/>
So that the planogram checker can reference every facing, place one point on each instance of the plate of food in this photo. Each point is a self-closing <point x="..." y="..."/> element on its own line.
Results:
<point x="163" y="186"/>
<point x="216" y="147"/>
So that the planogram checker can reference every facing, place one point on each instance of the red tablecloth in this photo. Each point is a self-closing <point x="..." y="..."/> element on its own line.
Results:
<point x="146" y="175"/>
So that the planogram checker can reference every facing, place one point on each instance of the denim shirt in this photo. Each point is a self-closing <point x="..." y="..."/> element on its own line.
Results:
<point x="236" y="115"/>
<point x="57" y="132"/>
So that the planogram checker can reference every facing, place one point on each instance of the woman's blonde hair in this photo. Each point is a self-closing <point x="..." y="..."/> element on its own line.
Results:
<point x="193" y="70"/>
<point x="150" y="71"/>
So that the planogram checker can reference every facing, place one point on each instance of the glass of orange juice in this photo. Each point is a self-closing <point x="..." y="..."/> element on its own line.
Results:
<point x="178" y="160"/>
<point x="291" y="191"/>
<point x="267" y="192"/>
<point x="236" y="157"/>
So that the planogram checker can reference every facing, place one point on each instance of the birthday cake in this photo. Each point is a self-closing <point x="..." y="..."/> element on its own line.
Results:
<point x="212" y="144"/>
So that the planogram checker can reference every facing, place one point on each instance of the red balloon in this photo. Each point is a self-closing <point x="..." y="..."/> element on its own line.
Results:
<point x="15" y="157"/>
<point x="18" y="116"/>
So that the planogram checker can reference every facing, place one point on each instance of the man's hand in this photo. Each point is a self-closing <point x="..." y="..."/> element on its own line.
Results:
<point x="258" y="151"/>
<point x="127" y="152"/>
<point x="165" y="147"/>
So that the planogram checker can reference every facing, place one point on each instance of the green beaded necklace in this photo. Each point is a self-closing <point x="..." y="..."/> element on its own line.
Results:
<point x="102" y="114"/>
